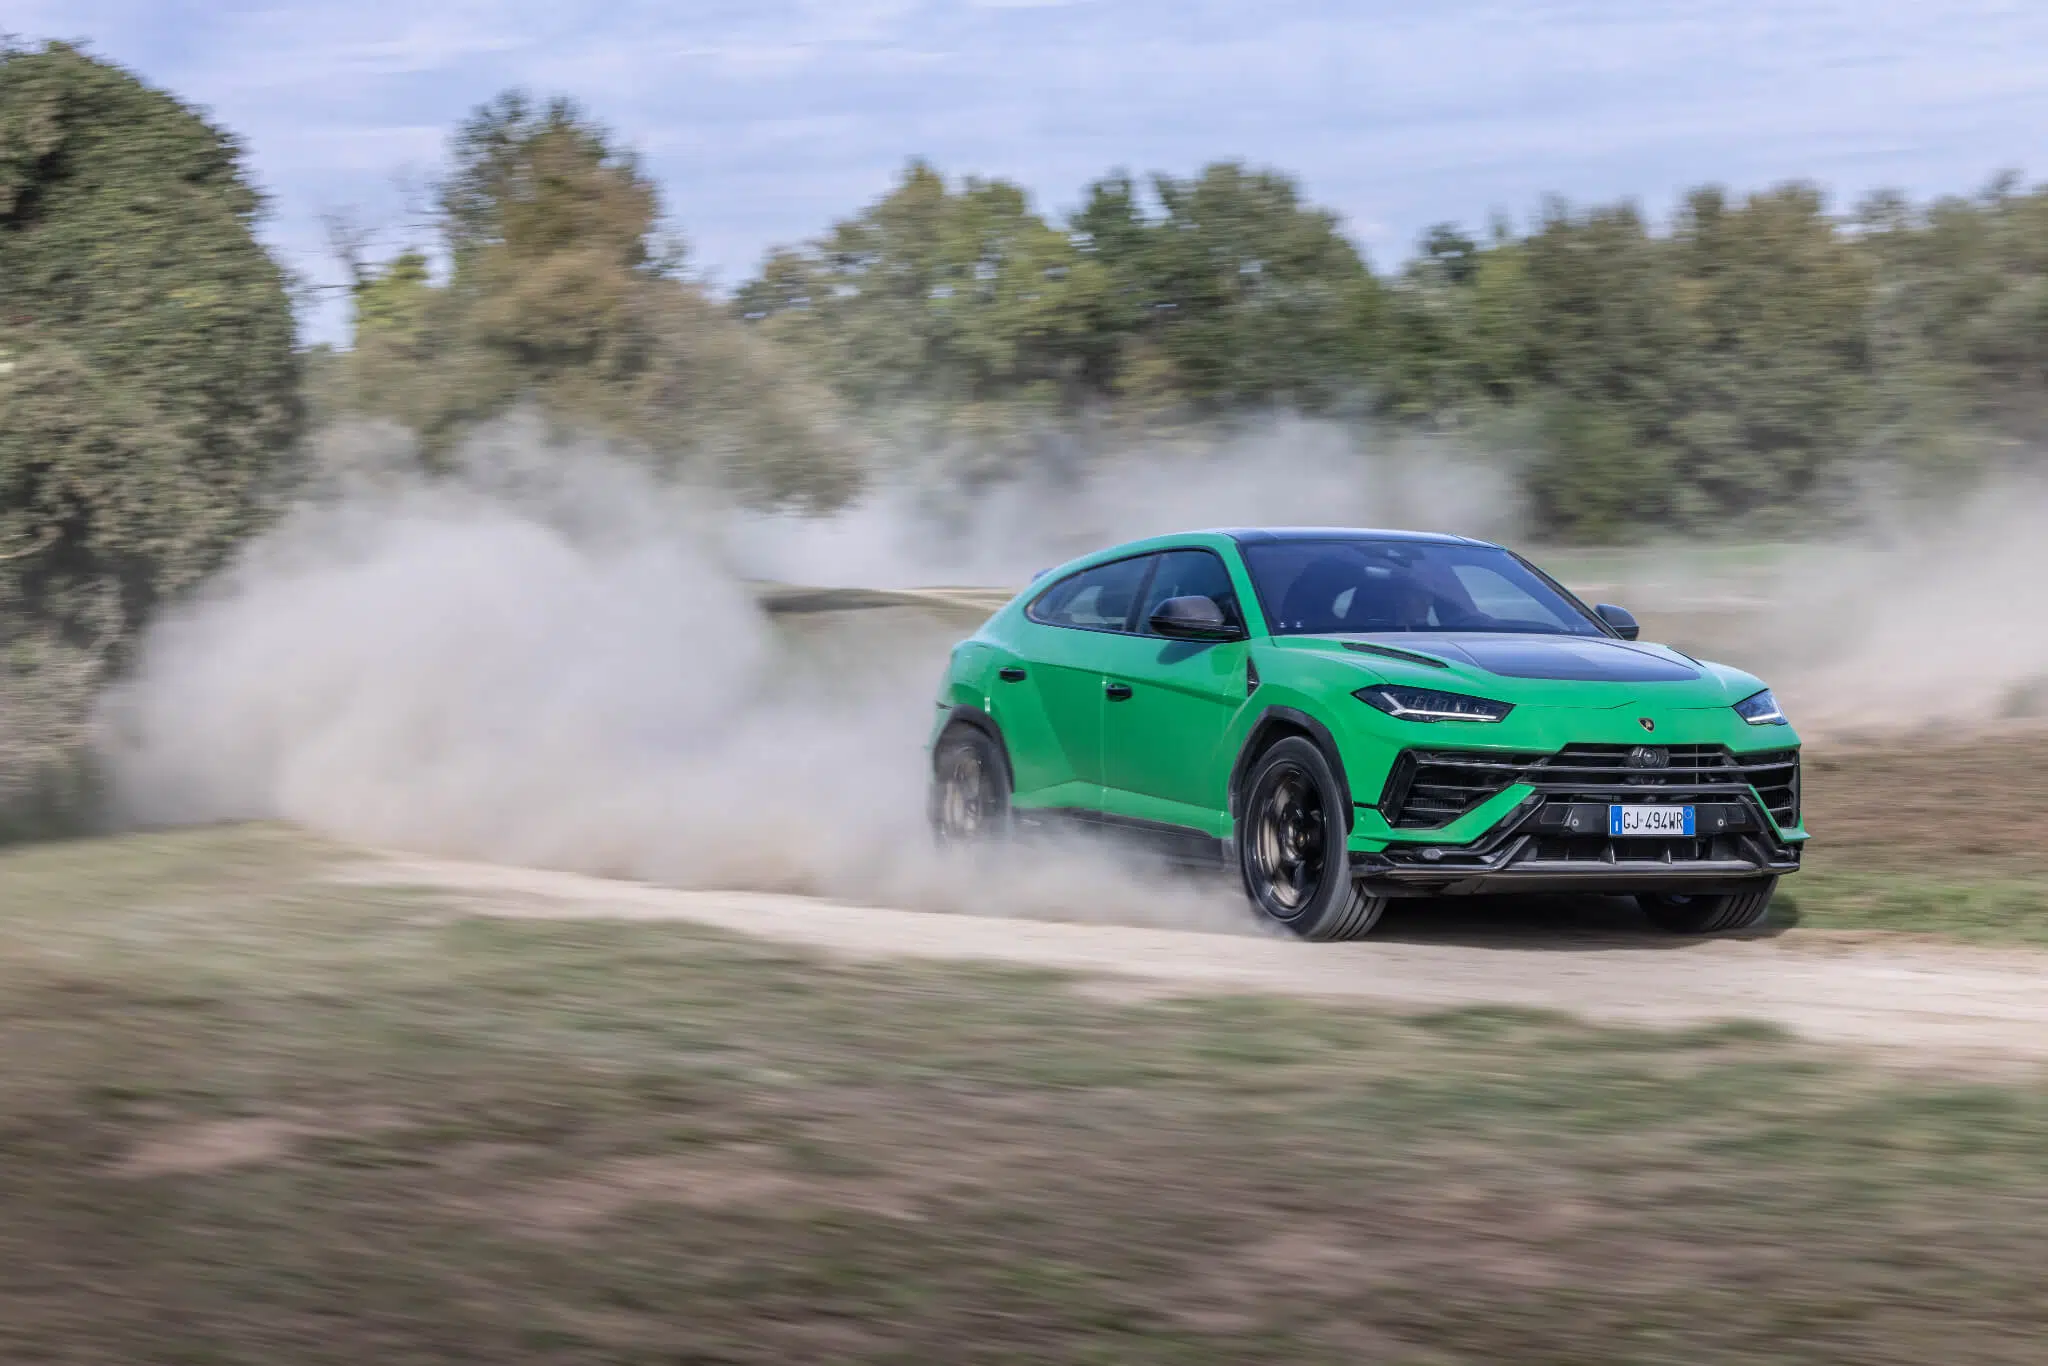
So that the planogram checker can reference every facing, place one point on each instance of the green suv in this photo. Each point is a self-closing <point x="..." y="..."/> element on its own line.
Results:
<point x="1350" y="716"/>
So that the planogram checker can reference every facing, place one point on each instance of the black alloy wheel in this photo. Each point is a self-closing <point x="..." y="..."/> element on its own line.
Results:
<point x="970" y="791"/>
<point x="1292" y="846"/>
<point x="1289" y="842"/>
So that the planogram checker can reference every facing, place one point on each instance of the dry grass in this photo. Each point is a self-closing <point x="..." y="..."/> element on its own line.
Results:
<point x="1930" y="838"/>
<point x="252" y="1114"/>
<point x="1919" y="807"/>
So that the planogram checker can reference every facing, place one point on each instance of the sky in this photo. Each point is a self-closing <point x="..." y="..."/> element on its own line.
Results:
<point x="764" y="120"/>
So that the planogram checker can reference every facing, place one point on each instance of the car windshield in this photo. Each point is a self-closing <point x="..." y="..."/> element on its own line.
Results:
<point x="1345" y="586"/>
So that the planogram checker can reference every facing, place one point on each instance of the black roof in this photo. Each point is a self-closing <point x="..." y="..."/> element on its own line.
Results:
<point x="1267" y="534"/>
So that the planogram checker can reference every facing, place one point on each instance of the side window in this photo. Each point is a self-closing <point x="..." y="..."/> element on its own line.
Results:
<point x="1190" y="574"/>
<point x="1098" y="599"/>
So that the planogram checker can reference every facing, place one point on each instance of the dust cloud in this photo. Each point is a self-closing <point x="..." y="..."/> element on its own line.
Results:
<point x="913" y="531"/>
<point x="1948" y="630"/>
<point x="540" y="655"/>
<point x="1930" y="621"/>
<point x="543" y="656"/>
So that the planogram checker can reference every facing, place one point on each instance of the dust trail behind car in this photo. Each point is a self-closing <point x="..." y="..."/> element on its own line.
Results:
<point x="547" y="657"/>
<point x="1927" y="621"/>
<point x="544" y="656"/>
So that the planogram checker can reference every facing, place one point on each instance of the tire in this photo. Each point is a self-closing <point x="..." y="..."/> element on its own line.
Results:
<point x="1291" y="846"/>
<point x="969" y="799"/>
<point x="1713" y="914"/>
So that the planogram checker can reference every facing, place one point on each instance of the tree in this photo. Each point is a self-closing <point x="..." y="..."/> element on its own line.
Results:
<point x="1774" y="383"/>
<point x="1456" y="329"/>
<point x="564" y="291"/>
<point x="954" y="295"/>
<point x="1236" y="293"/>
<point x="148" y="386"/>
<point x="1961" y="311"/>
<point x="151" y="388"/>
<point x="1225" y="291"/>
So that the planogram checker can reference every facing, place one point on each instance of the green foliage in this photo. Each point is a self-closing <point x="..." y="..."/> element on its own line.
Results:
<point x="148" y="384"/>
<point x="1776" y="359"/>
<point x="1962" y="303"/>
<point x="1234" y="293"/>
<point x="1594" y="474"/>
<point x="1228" y="292"/>
<point x="1457" y="328"/>
<point x="151" y="387"/>
<point x="565" y="293"/>
<point x="1750" y="363"/>
<point x="954" y="295"/>
<point x="392" y="303"/>
<point x="535" y="182"/>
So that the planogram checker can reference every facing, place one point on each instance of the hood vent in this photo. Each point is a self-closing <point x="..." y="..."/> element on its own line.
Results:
<point x="1389" y="652"/>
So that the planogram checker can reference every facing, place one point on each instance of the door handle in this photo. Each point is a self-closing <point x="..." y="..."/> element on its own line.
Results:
<point x="1117" y="692"/>
<point x="1010" y="673"/>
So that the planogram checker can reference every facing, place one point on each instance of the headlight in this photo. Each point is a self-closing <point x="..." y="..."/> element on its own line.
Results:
<point x="1427" y="704"/>
<point x="1761" y="709"/>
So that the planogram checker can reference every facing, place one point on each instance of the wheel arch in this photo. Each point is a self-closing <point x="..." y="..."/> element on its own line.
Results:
<point x="1274" y="724"/>
<point x="974" y="718"/>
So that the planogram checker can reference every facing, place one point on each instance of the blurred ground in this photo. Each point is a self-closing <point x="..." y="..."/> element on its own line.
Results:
<point x="1914" y="805"/>
<point x="264" y="1099"/>
<point x="258" y="1104"/>
<point x="1592" y="957"/>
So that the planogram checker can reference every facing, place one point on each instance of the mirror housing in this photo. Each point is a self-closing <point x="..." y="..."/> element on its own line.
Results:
<point x="1620" y="619"/>
<point x="1193" y="618"/>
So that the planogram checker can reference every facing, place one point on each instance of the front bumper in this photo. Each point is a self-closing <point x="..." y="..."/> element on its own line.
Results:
<point x="1559" y="843"/>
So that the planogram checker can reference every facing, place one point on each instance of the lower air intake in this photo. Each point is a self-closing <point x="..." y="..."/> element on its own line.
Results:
<point x="1431" y="788"/>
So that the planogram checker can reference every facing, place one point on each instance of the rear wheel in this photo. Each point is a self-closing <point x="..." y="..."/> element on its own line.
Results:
<point x="970" y="792"/>
<point x="1715" y="913"/>
<point x="1291" y="846"/>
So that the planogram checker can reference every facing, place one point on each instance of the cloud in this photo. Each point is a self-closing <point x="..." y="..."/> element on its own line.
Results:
<point x="766" y="118"/>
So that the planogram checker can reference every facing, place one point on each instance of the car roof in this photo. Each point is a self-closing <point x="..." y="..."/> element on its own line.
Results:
<point x="1268" y="534"/>
<point x="1245" y="536"/>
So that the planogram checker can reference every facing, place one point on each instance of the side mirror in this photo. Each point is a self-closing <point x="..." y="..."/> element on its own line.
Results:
<point x="1620" y="618"/>
<point x="1192" y="618"/>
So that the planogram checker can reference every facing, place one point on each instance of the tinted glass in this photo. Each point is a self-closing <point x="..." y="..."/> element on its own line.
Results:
<point x="1190" y="574"/>
<point x="1352" y="586"/>
<point x="1098" y="599"/>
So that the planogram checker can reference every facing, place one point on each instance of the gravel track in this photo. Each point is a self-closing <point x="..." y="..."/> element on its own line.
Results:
<point x="1884" y="991"/>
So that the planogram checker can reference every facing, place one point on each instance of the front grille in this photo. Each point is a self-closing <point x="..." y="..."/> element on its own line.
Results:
<point x="1429" y="788"/>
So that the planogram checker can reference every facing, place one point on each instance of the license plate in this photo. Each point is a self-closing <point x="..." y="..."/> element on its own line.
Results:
<point x="1649" y="820"/>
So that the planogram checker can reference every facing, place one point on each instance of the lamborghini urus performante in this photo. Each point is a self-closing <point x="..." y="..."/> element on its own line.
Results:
<point x="1351" y="716"/>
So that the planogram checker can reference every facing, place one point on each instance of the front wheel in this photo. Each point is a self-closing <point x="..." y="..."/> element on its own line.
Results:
<point x="1291" y="846"/>
<point x="970" y="792"/>
<point x="1715" y="913"/>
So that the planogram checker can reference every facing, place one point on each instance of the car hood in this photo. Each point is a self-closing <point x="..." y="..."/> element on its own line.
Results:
<point x="1573" y="659"/>
<point x="1560" y="670"/>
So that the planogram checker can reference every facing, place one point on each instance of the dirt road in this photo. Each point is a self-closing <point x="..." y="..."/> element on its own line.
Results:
<point x="1893" y="993"/>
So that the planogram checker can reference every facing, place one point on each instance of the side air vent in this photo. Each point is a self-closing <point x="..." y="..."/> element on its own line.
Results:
<point x="1431" y="789"/>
